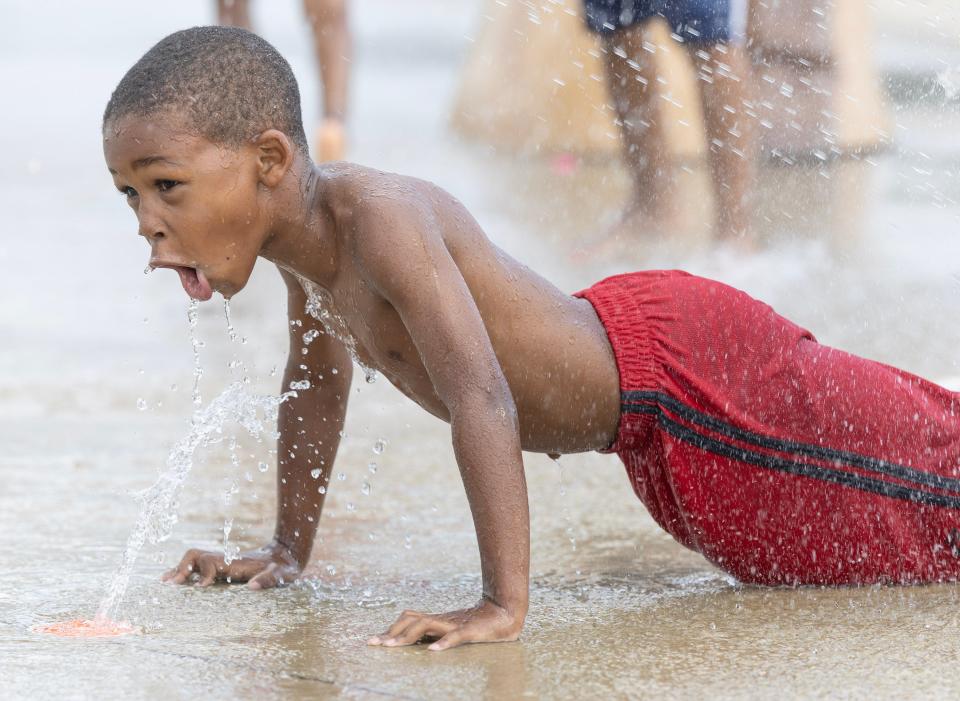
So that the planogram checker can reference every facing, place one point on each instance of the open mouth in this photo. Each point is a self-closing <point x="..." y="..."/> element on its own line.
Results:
<point x="194" y="282"/>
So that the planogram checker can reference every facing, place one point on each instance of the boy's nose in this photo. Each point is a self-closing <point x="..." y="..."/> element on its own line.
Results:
<point x="150" y="234"/>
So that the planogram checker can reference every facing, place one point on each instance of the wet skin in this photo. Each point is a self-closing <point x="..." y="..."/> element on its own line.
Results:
<point x="465" y="331"/>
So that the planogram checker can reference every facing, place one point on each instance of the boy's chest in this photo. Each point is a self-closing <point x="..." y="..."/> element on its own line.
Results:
<point x="372" y="332"/>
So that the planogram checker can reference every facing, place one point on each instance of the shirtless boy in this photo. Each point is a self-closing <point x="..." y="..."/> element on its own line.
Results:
<point x="780" y="460"/>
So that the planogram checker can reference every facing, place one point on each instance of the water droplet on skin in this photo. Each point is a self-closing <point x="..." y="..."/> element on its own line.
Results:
<point x="148" y="270"/>
<point x="315" y="472"/>
<point x="334" y="371"/>
<point x="300" y="384"/>
<point x="263" y="467"/>
<point x="321" y="489"/>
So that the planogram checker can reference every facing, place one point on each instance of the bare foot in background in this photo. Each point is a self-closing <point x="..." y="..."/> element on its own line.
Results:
<point x="330" y="141"/>
<point x="620" y="241"/>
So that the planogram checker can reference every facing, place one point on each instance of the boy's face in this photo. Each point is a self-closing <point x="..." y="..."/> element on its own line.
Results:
<point x="198" y="204"/>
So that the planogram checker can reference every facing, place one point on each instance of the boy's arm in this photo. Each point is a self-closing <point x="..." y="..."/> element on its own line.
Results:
<point x="310" y="426"/>
<point x="405" y="258"/>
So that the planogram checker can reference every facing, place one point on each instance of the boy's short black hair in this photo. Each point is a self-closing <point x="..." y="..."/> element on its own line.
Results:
<point x="230" y="84"/>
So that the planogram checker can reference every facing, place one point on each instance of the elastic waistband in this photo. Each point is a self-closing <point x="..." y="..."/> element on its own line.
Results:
<point x="634" y="308"/>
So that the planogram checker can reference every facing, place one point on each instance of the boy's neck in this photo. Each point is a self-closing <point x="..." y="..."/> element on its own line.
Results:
<point x="301" y="231"/>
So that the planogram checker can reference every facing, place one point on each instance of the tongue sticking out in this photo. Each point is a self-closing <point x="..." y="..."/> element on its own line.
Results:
<point x="195" y="283"/>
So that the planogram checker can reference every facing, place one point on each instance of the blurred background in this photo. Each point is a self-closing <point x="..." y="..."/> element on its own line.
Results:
<point x="812" y="160"/>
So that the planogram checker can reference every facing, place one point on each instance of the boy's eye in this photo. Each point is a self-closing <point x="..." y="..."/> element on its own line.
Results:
<point x="128" y="192"/>
<point x="165" y="185"/>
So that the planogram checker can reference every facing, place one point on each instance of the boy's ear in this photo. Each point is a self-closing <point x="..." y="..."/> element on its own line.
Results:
<point x="275" y="154"/>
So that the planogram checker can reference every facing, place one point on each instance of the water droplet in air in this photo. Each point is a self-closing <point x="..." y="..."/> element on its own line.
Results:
<point x="372" y="468"/>
<point x="263" y="467"/>
<point x="365" y="489"/>
<point x="141" y="404"/>
<point x="351" y="506"/>
<point x="379" y="446"/>
<point x="341" y="476"/>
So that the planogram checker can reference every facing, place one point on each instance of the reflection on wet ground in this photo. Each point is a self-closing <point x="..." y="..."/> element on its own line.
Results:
<point x="862" y="252"/>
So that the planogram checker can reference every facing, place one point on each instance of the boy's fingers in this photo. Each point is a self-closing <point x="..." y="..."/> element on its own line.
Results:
<point x="417" y="630"/>
<point x="451" y="639"/>
<point x="271" y="577"/>
<point x="181" y="573"/>
<point x="404" y="636"/>
<point x="406" y="618"/>
<point x="208" y="571"/>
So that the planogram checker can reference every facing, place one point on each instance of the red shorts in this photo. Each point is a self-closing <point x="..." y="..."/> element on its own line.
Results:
<point x="781" y="460"/>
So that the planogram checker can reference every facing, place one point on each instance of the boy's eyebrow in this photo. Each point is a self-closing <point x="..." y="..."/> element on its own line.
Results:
<point x="146" y="161"/>
<point x="150" y="160"/>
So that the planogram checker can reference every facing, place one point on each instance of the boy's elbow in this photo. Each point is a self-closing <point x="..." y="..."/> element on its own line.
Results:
<point x="493" y="403"/>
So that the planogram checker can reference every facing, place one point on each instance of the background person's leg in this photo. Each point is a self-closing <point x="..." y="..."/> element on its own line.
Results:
<point x="723" y="76"/>
<point x="631" y="76"/>
<point x="328" y="20"/>
<point x="234" y="13"/>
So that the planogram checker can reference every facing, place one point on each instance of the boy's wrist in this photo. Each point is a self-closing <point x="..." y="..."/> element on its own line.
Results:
<point x="516" y="604"/>
<point x="289" y="547"/>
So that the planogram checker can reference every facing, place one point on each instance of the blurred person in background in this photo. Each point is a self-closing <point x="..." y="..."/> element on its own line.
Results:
<point x="713" y="33"/>
<point x="331" y="39"/>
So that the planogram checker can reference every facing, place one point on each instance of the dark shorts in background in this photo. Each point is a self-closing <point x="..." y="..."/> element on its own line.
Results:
<point x="695" y="21"/>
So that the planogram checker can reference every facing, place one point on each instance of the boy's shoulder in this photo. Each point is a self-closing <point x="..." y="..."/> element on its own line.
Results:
<point x="359" y="197"/>
<point x="352" y="181"/>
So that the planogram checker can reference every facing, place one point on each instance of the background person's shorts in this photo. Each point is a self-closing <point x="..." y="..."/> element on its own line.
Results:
<point x="696" y="21"/>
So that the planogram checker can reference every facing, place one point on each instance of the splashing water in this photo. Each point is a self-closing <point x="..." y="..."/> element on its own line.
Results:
<point x="231" y="332"/>
<point x="192" y="318"/>
<point x="238" y="372"/>
<point x="569" y="530"/>
<point x="949" y="80"/>
<point x="319" y="305"/>
<point x="257" y="414"/>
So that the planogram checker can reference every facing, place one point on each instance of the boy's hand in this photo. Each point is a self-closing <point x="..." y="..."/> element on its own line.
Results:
<point x="270" y="566"/>
<point x="484" y="623"/>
